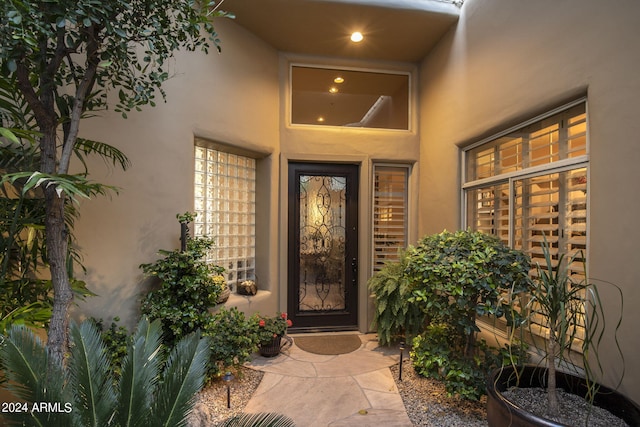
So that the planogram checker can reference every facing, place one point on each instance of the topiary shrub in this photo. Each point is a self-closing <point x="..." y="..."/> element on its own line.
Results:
<point x="455" y="278"/>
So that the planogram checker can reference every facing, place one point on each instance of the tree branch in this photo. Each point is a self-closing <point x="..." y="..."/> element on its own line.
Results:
<point x="40" y="113"/>
<point x="82" y="90"/>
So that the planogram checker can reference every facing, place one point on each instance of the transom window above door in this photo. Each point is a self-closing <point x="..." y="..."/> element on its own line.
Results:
<point x="349" y="98"/>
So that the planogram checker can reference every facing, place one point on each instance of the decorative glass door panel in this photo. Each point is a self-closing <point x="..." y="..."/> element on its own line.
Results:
<point x="323" y="245"/>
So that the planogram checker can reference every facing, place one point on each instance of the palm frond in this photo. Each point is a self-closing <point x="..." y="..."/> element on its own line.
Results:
<point x="108" y="153"/>
<point x="259" y="420"/>
<point x="34" y="314"/>
<point x="73" y="186"/>
<point x="19" y="154"/>
<point x="140" y="371"/>
<point x="182" y="379"/>
<point x="90" y="376"/>
<point x="14" y="110"/>
<point x="24" y="356"/>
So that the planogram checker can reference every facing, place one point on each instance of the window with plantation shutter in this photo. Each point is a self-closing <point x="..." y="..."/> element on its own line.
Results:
<point x="529" y="184"/>
<point x="489" y="210"/>
<point x="553" y="207"/>
<point x="389" y="213"/>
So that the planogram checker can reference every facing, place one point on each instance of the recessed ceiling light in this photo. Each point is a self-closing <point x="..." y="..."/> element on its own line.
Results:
<point x="320" y="119"/>
<point x="333" y="90"/>
<point x="338" y="80"/>
<point x="357" y="37"/>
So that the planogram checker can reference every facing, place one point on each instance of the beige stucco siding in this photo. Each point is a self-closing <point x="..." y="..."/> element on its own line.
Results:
<point x="230" y="97"/>
<point x="504" y="62"/>
<point x="510" y="60"/>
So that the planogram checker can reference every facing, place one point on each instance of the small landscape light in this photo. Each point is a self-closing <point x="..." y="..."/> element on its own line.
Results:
<point x="228" y="377"/>
<point x="401" y="347"/>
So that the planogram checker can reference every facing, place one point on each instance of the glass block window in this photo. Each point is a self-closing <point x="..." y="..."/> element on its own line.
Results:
<point x="225" y="194"/>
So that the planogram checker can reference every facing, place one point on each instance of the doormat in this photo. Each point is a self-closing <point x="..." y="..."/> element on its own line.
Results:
<point x="328" y="344"/>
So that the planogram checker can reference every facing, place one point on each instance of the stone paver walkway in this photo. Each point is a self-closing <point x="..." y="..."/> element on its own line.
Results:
<point x="354" y="389"/>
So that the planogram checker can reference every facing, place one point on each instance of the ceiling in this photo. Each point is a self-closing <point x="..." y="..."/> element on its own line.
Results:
<point x="394" y="30"/>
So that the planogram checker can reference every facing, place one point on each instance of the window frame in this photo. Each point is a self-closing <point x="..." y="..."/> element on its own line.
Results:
<point x="249" y="271"/>
<point x="402" y="72"/>
<point x="557" y="166"/>
<point x="407" y="205"/>
<point x="526" y="173"/>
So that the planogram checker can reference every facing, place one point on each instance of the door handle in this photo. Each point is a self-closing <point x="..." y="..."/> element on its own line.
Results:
<point x="354" y="269"/>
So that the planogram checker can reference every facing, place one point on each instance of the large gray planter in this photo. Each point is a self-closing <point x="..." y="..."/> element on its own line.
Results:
<point x="501" y="412"/>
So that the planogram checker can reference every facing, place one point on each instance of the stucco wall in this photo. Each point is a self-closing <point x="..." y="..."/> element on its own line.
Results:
<point x="232" y="98"/>
<point x="510" y="60"/>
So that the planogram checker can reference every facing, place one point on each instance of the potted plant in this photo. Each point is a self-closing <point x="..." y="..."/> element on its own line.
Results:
<point x="557" y="302"/>
<point x="221" y="282"/>
<point x="270" y="331"/>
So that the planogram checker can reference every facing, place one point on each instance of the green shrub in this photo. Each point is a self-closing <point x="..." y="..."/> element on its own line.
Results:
<point x="233" y="338"/>
<point x="116" y="340"/>
<point x="439" y="353"/>
<point x="436" y="291"/>
<point x="187" y="289"/>
<point x="458" y="276"/>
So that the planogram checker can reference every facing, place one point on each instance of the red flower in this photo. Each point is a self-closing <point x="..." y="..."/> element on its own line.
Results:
<point x="261" y="323"/>
<point x="283" y="315"/>
<point x="289" y="323"/>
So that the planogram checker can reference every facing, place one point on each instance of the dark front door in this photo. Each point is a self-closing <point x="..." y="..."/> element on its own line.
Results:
<point x="323" y="246"/>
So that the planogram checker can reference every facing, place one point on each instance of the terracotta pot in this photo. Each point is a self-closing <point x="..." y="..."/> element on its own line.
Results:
<point x="501" y="412"/>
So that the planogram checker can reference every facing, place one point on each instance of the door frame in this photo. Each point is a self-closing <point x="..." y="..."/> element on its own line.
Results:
<point x="330" y="321"/>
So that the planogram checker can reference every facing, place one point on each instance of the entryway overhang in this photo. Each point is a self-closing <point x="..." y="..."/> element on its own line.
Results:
<point x="393" y="30"/>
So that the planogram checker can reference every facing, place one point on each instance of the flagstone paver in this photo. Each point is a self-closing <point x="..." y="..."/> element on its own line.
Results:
<point x="353" y="389"/>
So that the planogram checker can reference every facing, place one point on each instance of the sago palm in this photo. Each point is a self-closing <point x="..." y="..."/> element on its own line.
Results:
<point x="153" y="390"/>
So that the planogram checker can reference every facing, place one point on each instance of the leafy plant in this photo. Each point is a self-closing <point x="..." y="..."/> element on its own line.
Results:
<point x="233" y="339"/>
<point x="560" y="303"/>
<point x="455" y="278"/>
<point x="116" y="339"/>
<point x="439" y="353"/>
<point x="394" y="316"/>
<point x="458" y="276"/>
<point x="151" y="391"/>
<point x="187" y="289"/>
<point x="63" y="56"/>
<point x="26" y="296"/>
